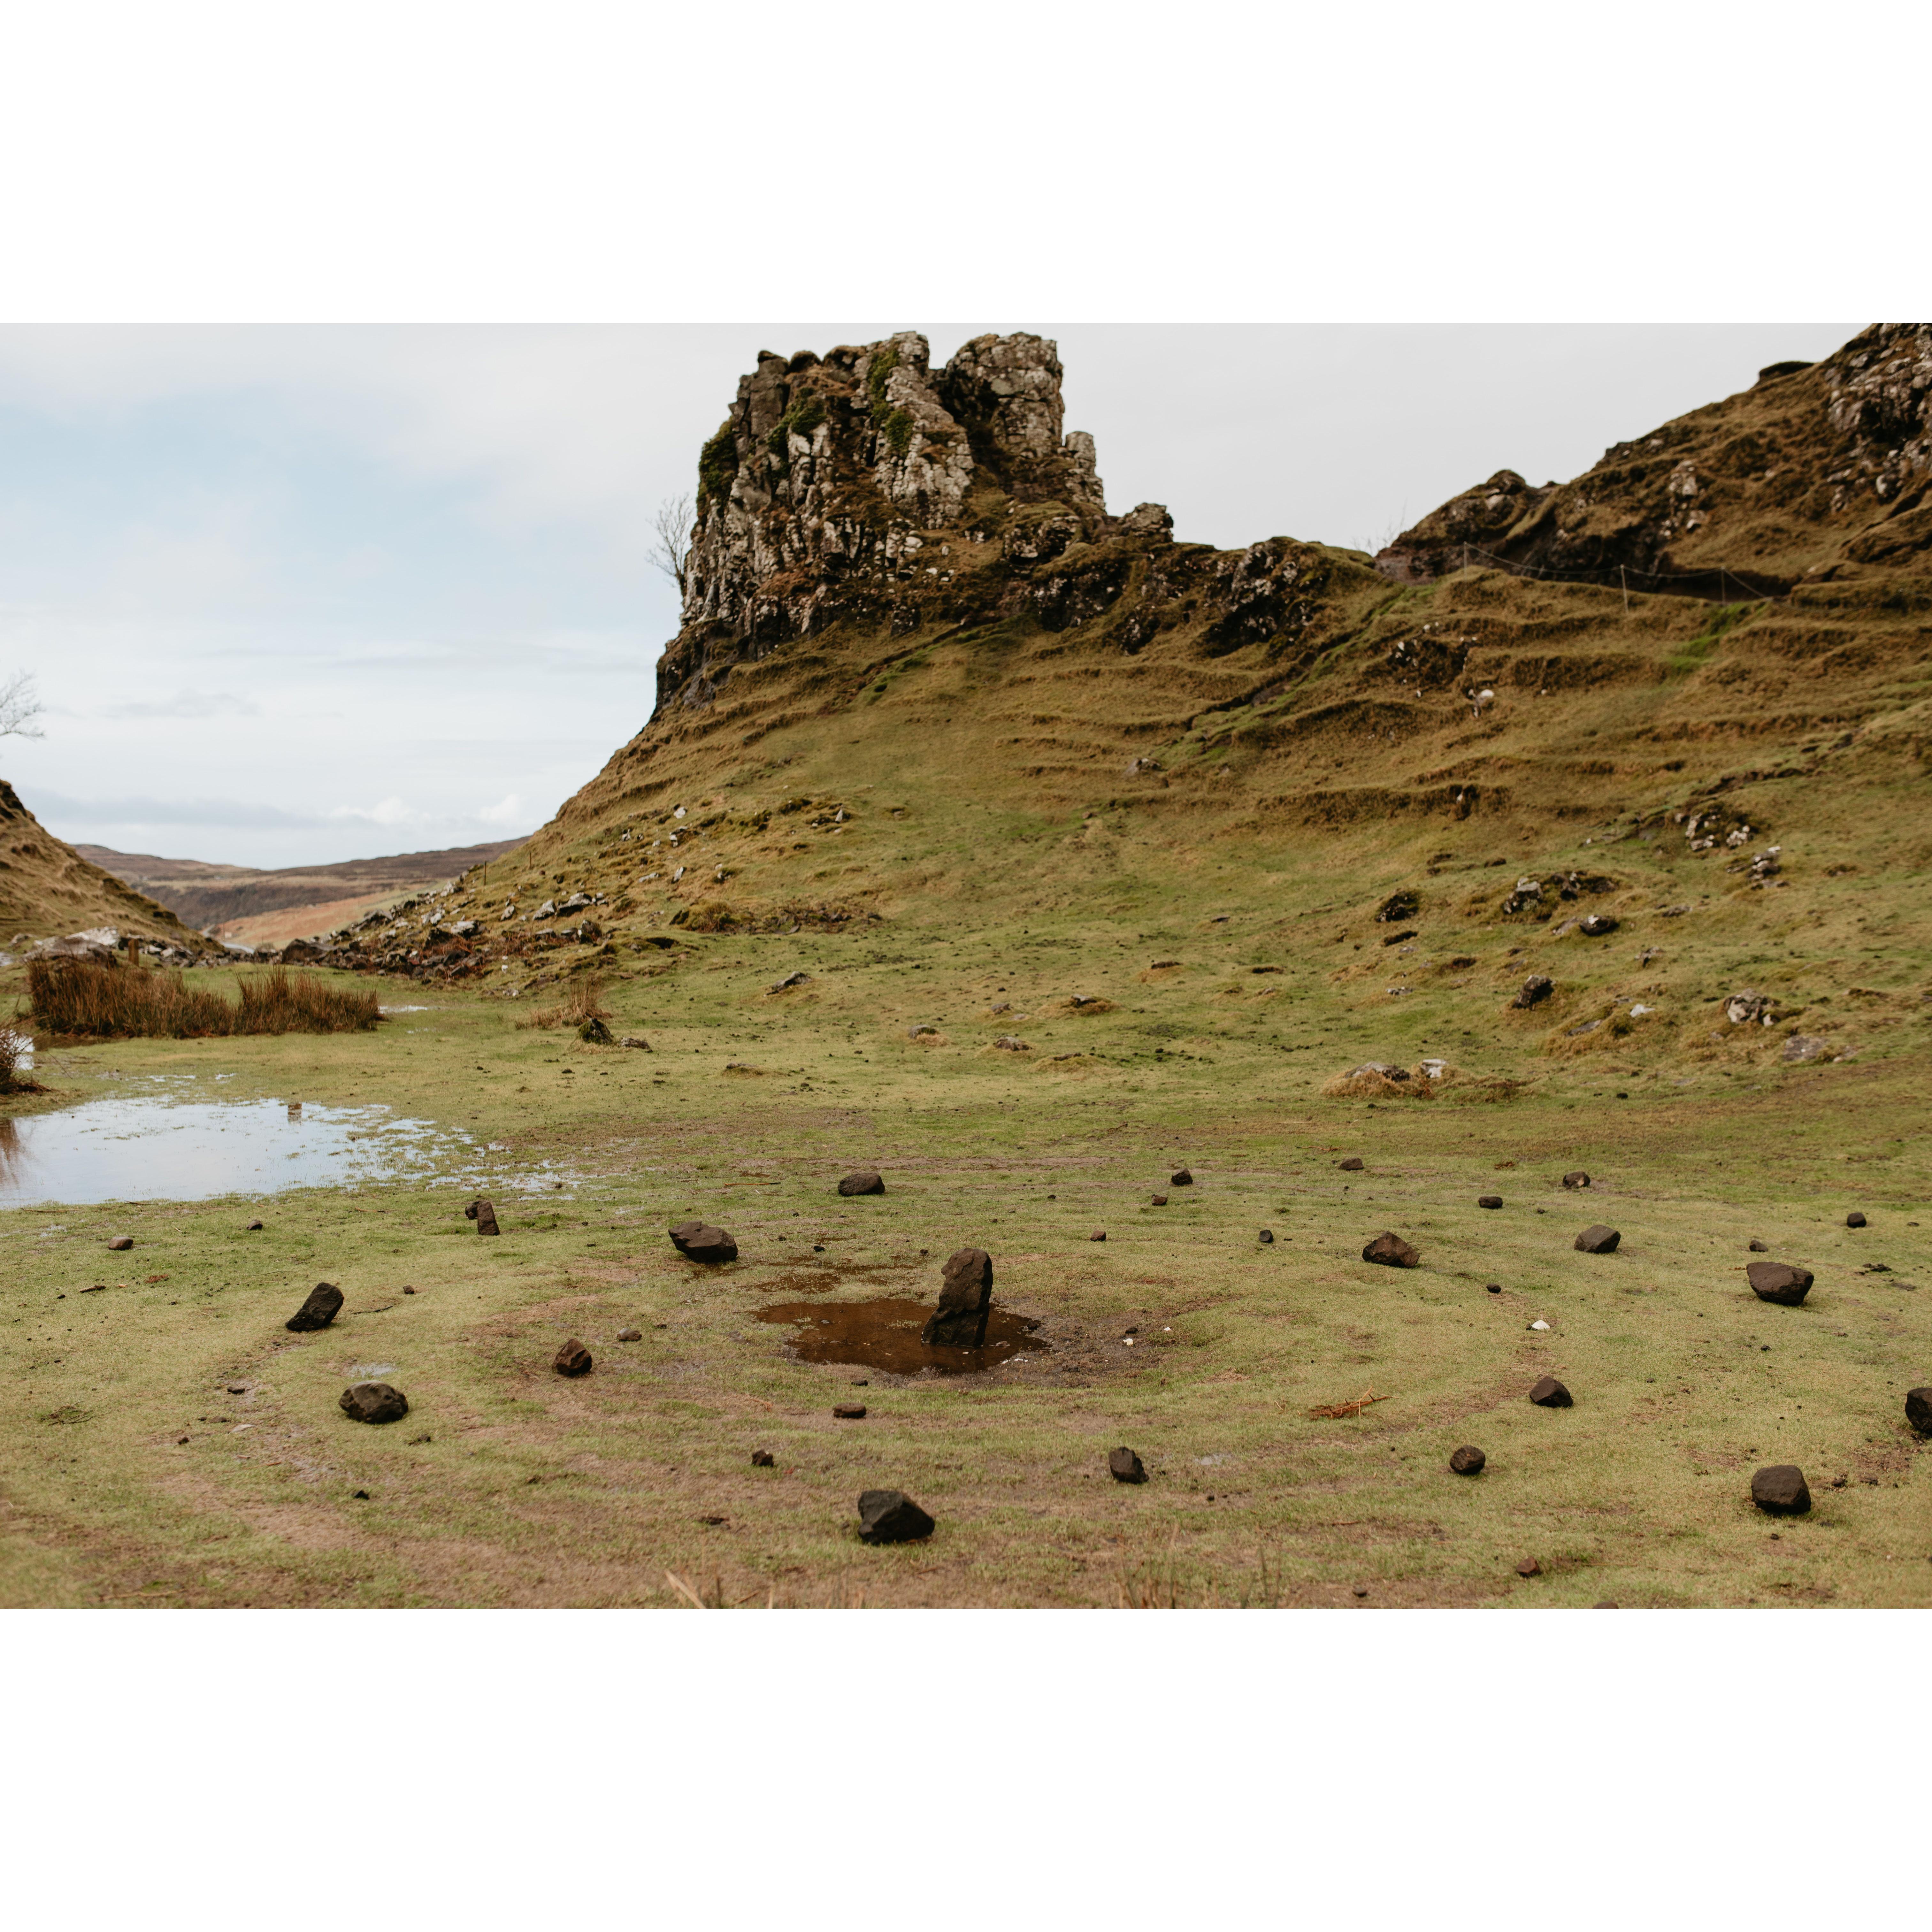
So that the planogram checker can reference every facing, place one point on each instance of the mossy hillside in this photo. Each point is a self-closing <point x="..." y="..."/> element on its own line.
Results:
<point x="532" y="1490"/>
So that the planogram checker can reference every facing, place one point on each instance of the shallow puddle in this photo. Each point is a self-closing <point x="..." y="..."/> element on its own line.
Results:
<point x="883" y="1334"/>
<point x="154" y="1147"/>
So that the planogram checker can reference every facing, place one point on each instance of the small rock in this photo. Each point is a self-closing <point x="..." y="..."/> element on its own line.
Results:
<point x="1775" y="1281"/>
<point x="965" y="1300"/>
<point x="1098" y="1234"/>
<point x="1158" y="1200"/>
<point x="1353" y="1165"/>
<point x="763" y="1459"/>
<point x="1853" y="1219"/>
<point x="1576" y="1178"/>
<point x="121" y="1243"/>
<point x="323" y="1305"/>
<point x="1182" y="1179"/>
<point x="1536" y="989"/>
<point x="1391" y="1251"/>
<point x="790" y="980"/>
<point x="1597" y="924"/>
<point x="1540" y="1326"/>
<point x="1758" y="1247"/>
<point x="408" y="1291"/>
<point x="254" y="1227"/>
<point x="1267" y="1238"/>
<point x="1780" y="1490"/>
<point x="1495" y="1287"/>
<point x="1597" y="1239"/>
<point x="849" y="1412"/>
<point x="594" y="1032"/>
<point x="863" y="1181"/>
<point x="1550" y="1394"/>
<point x="699" y="1241"/>
<point x="1489" y="1201"/>
<point x="637" y="1040"/>
<point x="572" y="1359"/>
<point x="1124" y="1466"/>
<point x="1918" y="1409"/>
<point x="630" y="1334"/>
<point x="1468" y="1460"/>
<point x="1529" y="1566"/>
<point x="891" y="1515"/>
<point x="373" y="1401"/>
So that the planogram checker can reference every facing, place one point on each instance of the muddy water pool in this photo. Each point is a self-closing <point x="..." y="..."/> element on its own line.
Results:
<point x="883" y="1334"/>
<point x="174" y="1142"/>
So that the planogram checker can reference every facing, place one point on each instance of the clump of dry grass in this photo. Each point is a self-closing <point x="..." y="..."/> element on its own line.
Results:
<point x="77" y="999"/>
<point x="13" y="1047"/>
<point x="582" y="1006"/>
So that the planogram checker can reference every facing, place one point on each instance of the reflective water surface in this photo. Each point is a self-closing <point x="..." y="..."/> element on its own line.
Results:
<point x="160" y="1147"/>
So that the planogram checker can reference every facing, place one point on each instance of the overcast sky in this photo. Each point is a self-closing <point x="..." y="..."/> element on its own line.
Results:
<point x="294" y="595"/>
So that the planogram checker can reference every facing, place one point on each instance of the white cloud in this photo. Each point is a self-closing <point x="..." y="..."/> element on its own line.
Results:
<point x="506" y="812"/>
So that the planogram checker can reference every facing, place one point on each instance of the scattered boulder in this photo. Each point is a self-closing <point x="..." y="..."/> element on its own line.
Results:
<point x="630" y="1334"/>
<point x="121" y="1244"/>
<point x="1550" y="1394"/>
<point x="1124" y="1466"/>
<point x="763" y="1459"/>
<point x="254" y="1227"/>
<point x="594" y="1032"/>
<point x="1853" y="1219"/>
<point x="1776" y="1281"/>
<point x="373" y="1401"/>
<point x="1157" y="1200"/>
<point x="849" y="1412"/>
<point x="1597" y="1239"/>
<point x="1780" y="1490"/>
<point x="1536" y="989"/>
<point x="1576" y="1178"/>
<point x="484" y="1213"/>
<point x="891" y="1515"/>
<point x="1353" y="1165"/>
<point x="1597" y="924"/>
<point x="323" y="1305"/>
<point x="572" y="1359"/>
<point x="965" y="1300"/>
<point x="1918" y="1409"/>
<point x="1758" y="1247"/>
<point x="1468" y="1460"/>
<point x="1529" y="1566"/>
<point x="1391" y="1251"/>
<point x="863" y="1181"/>
<point x="1182" y="1179"/>
<point x="1266" y="1238"/>
<point x="1489" y="1201"/>
<point x="699" y="1241"/>
<point x="1098" y="1234"/>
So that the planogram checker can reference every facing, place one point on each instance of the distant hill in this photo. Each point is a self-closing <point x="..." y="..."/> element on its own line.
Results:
<point x="206" y="896"/>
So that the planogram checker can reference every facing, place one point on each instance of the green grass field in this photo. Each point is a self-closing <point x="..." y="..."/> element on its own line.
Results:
<point x="167" y="1441"/>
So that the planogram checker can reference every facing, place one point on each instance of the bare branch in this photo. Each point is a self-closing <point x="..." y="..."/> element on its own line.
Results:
<point x="20" y="707"/>
<point x="671" y="549"/>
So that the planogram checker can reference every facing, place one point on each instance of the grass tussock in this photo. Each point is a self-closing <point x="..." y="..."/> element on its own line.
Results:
<point x="582" y="1006"/>
<point x="14" y="1048"/>
<point x="76" y="999"/>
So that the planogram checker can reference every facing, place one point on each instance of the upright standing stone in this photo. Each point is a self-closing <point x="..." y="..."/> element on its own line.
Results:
<point x="965" y="1301"/>
<point x="484" y="1213"/>
<point x="1124" y="1466"/>
<point x="1918" y="1409"/>
<point x="323" y="1305"/>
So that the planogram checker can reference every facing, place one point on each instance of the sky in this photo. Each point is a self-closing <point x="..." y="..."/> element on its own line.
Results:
<point x="294" y="594"/>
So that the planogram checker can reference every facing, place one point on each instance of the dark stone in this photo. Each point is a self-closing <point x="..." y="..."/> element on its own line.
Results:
<point x="1536" y="989"/>
<point x="849" y="1412"/>
<point x="254" y="1227"/>
<point x="1267" y="1238"/>
<point x="1468" y="1460"/>
<point x="1550" y="1394"/>
<point x="699" y="1241"/>
<point x="891" y="1515"/>
<point x="1391" y="1251"/>
<point x="1182" y="1179"/>
<point x="1780" y="1491"/>
<point x="1529" y="1566"/>
<point x="121" y="1243"/>
<point x="1597" y="924"/>
<point x="572" y="1359"/>
<point x="1918" y="1409"/>
<point x="593" y="1032"/>
<point x="865" y="1181"/>
<point x="1353" y="1165"/>
<point x="1495" y="1287"/>
<point x="1489" y="1201"/>
<point x="1758" y="1247"/>
<point x="965" y="1300"/>
<point x="1575" y="1177"/>
<point x="1775" y="1281"/>
<point x="1124" y="1466"/>
<point x="763" y="1459"/>
<point x="1597" y="1239"/>
<point x="1399" y="906"/>
<point x="323" y="1305"/>
<point x="484" y="1213"/>
<point x="1098" y="1234"/>
<point x="374" y="1401"/>
<point x="1158" y="1200"/>
<point x="1853" y="1219"/>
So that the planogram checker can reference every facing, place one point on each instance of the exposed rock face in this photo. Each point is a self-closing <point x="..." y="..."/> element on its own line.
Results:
<point x="1816" y="462"/>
